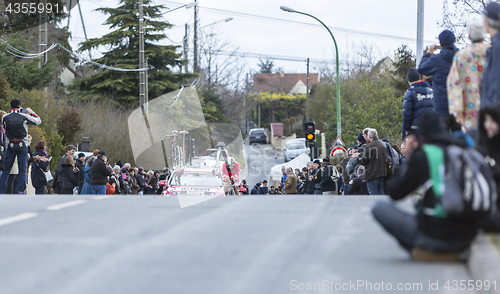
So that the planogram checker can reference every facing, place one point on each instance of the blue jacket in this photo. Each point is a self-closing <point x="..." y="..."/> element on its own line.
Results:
<point x="418" y="99"/>
<point x="438" y="66"/>
<point x="263" y="190"/>
<point x="86" y="188"/>
<point x="491" y="75"/>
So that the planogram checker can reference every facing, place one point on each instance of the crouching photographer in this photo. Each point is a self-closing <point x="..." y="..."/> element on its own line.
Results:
<point x="15" y="124"/>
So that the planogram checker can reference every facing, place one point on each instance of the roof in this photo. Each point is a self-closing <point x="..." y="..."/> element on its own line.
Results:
<point x="281" y="82"/>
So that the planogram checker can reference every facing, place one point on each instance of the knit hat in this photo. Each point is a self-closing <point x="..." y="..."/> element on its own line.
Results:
<point x="492" y="10"/>
<point x="447" y="37"/>
<point x="81" y="155"/>
<point x="361" y="138"/>
<point x="317" y="161"/>
<point x="157" y="172"/>
<point x="413" y="75"/>
<point x="15" y="103"/>
<point x="326" y="159"/>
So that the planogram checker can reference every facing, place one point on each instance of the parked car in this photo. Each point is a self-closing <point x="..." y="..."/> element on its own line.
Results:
<point x="257" y="136"/>
<point x="295" y="148"/>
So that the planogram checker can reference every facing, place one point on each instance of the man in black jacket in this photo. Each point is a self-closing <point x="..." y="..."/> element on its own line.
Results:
<point x="141" y="181"/>
<point x="316" y="177"/>
<point x="357" y="186"/>
<point x="328" y="186"/>
<point x="418" y="98"/>
<point x="427" y="235"/>
<point x="491" y="88"/>
<point x="99" y="173"/>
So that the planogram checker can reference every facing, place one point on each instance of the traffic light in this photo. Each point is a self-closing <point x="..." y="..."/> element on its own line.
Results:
<point x="310" y="136"/>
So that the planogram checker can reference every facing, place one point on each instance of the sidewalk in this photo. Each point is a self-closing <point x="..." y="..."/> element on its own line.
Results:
<point x="484" y="261"/>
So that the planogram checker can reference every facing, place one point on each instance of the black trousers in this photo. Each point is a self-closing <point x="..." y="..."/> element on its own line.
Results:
<point x="404" y="227"/>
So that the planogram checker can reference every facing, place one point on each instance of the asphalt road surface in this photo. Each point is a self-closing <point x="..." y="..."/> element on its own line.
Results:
<point x="260" y="160"/>
<point x="248" y="244"/>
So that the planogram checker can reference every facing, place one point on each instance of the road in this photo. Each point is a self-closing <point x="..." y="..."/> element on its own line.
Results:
<point x="260" y="159"/>
<point x="255" y="244"/>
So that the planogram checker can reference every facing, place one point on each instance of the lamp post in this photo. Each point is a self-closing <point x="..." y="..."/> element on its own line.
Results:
<point x="339" y="128"/>
<point x="143" y="98"/>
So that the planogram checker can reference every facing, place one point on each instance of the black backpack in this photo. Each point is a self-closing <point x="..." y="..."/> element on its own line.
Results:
<point x="461" y="181"/>
<point x="14" y="126"/>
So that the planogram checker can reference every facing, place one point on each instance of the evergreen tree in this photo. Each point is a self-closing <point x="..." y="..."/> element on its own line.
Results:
<point x="405" y="61"/>
<point x="123" y="41"/>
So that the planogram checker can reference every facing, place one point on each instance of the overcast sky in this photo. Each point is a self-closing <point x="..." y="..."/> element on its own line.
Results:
<point x="260" y="28"/>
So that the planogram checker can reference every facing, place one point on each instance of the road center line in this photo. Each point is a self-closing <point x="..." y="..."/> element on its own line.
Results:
<point x="101" y="197"/>
<point x="16" y="218"/>
<point x="66" y="204"/>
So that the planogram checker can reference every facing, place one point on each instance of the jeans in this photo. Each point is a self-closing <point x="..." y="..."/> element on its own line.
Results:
<point x="98" y="189"/>
<point x="375" y="187"/>
<point x="318" y="192"/>
<point x="22" y="162"/>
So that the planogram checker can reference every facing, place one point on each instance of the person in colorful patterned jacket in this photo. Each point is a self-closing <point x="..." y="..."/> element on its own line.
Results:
<point x="466" y="77"/>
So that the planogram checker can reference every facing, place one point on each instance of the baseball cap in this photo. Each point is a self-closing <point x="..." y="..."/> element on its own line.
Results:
<point x="491" y="10"/>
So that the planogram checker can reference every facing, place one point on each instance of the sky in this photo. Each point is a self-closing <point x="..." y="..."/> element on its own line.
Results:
<point x="260" y="29"/>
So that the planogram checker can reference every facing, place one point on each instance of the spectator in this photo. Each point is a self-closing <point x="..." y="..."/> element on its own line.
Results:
<point x="374" y="159"/>
<point x="111" y="186"/>
<point x="357" y="186"/>
<point x="117" y="174"/>
<point x="490" y="94"/>
<point x="68" y="175"/>
<point x="99" y="172"/>
<point x="290" y="186"/>
<point x="489" y="145"/>
<point x="40" y="165"/>
<point x="418" y="98"/>
<point x="316" y="177"/>
<point x="400" y="155"/>
<point x="70" y="151"/>
<point x="15" y="124"/>
<point x="273" y="191"/>
<point x="134" y="187"/>
<point x="87" y="187"/>
<point x="310" y="184"/>
<point x="283" y="177"/>
<point x="255" y="189"/>
<point x="438" y="66"/>
<point x="328" y="186"/>
<point x="79" y="163"/>
<point x="427" y="235"/>
<point x="2" y="141"/>
<point x="466" y="77"/>
<point x="263" y="189"/>
<point x="153" y="181"/>
<point x="126" y="187"/>
<point x="403" y="150"/>
<point x="139" y="176"/>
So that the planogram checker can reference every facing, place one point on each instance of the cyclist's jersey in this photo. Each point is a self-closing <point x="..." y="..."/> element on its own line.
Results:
<point x="235" y="173"/>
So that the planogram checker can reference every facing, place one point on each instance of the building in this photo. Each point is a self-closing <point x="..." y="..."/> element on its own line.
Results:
<point x="290" y="84"/>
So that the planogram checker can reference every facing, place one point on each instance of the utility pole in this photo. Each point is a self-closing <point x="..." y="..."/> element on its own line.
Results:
<point x="186" y="44"/>
<point x="42" y="34"/>
<point x="307" y="89"/>
<point x="195" y="41"/>
<point x="142" y="74"/>
<point x="420" y="30"/>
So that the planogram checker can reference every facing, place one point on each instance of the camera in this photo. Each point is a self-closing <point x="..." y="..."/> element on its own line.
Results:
<point x="24" y="111"/>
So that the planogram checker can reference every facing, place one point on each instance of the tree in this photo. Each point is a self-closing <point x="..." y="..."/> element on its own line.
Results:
<point x="24" y="73"/>
<point x="123" y="87"/>
<point x="266" y="66"/>
<point x="457" y="14"/>
<point x="404" y="61"/>
<point x="68" y="125"/>
<point x="14" y="21"/>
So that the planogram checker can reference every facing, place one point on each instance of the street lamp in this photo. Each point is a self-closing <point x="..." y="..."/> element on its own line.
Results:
<point x="189" y="5"/>
<point x="288" y="9"/>
<point x="222" y="20"/>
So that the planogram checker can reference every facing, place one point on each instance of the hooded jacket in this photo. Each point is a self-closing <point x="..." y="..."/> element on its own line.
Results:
<point x="418" y="98"/>
<point x="490" y="146"/>
<point x="438" y="66"/>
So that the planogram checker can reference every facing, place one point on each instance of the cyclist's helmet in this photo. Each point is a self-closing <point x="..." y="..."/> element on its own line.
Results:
<point x="230" y="161"/>
<point x="166" y="170"/>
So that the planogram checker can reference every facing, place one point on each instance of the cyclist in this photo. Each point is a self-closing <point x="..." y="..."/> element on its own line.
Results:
<point x="231" y="175"/>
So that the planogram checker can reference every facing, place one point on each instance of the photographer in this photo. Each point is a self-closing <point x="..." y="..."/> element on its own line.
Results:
<point x="15" y="124"/>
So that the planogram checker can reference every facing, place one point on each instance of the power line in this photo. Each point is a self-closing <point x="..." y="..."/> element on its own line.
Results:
<point x="275" y="19"/>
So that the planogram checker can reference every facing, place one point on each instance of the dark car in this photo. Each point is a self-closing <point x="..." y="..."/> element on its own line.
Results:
<point x="257" y="136"/>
